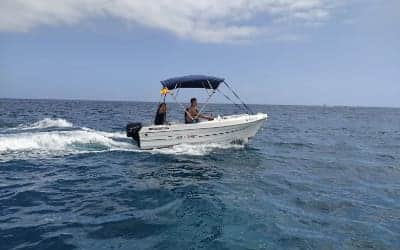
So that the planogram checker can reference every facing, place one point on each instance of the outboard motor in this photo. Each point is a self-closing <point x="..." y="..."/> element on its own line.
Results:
<point x="132" y="130"/>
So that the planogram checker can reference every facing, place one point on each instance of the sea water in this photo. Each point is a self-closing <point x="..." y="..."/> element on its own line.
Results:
<point x="312" y="178"/>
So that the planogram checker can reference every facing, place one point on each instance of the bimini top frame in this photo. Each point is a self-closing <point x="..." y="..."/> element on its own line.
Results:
<point x="199" y="81"/>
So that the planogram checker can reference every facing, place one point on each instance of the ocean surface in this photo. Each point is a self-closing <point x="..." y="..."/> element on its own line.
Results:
<point x="312" y="178"/>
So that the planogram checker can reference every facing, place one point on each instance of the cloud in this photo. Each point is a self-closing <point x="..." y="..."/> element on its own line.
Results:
<point x="200" y="20"/>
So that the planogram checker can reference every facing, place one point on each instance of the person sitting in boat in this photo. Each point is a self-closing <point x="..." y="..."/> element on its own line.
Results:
<point x="161" y="115"/>
<point x="192" y="115"/>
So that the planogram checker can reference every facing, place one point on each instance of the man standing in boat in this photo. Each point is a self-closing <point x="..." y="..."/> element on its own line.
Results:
<point x="192" y="115"/>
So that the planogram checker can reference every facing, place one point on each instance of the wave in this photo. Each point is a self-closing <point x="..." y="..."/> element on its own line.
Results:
<point x="52" y="123"/>
<point x="106" y="134"/>
<point x="48" y="123"/>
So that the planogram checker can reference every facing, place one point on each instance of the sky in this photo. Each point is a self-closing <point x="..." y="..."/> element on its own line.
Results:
<point x="306" y="52"/>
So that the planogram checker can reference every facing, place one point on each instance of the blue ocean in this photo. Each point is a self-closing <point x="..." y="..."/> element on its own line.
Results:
<point x="314" y="177"/>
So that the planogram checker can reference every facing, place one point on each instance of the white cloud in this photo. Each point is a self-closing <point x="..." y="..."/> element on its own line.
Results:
<point x="200" y="20"/>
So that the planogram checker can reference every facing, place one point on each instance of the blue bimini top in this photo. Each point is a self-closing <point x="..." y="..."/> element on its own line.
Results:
<point x="193" y="81"/>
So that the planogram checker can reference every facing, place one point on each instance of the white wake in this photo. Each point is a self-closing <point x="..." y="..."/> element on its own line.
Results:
<point x="59" y="141"/>
<point x="47" y="123"/>
<point x="196" y="150"/>
<point x="30" y="141"/>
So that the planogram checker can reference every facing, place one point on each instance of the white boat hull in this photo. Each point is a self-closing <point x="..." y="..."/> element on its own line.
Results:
<point x="227" y="129"/>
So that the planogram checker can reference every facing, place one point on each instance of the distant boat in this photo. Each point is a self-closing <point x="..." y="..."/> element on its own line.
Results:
<point x="237" y="129"/>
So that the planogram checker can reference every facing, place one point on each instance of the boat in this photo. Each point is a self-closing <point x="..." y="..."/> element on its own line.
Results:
<point x="233" y="129"/>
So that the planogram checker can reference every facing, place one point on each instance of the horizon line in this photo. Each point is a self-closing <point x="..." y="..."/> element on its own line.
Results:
<point x="268" y="104"/>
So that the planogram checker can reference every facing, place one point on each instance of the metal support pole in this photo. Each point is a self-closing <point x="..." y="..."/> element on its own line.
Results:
<point x="237" y="96"/>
